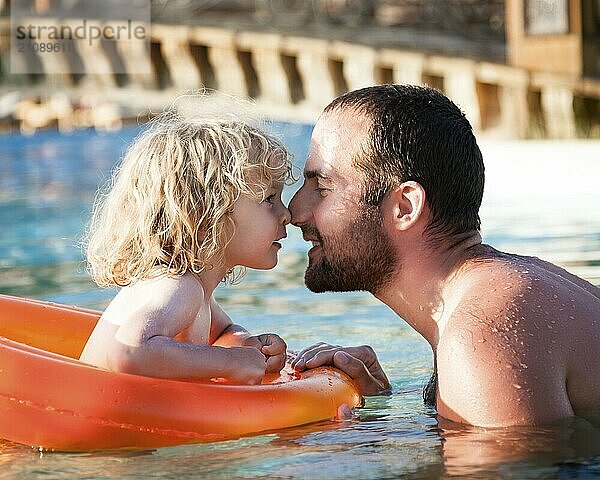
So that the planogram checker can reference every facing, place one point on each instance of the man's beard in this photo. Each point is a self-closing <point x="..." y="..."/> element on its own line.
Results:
<point x="361" y="257"/>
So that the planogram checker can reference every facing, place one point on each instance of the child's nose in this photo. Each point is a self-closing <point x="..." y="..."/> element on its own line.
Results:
<point x="286" y="216"/>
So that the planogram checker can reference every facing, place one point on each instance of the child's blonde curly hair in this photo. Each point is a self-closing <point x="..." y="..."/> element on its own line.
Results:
<point x="168" y="210"/>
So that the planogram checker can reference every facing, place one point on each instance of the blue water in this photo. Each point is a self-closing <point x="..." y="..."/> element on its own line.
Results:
<point x="47" y="187"/>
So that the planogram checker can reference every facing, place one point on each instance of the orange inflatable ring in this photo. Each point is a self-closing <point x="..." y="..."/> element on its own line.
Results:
<point x="50" y="399"/>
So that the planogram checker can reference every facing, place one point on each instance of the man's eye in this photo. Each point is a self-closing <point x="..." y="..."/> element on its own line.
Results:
<point x="322" y="191"/>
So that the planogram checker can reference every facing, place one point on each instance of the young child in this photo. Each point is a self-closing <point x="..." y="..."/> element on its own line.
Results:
<point x="192" y="200"/>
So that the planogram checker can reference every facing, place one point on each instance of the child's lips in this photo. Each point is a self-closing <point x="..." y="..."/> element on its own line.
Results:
<point x="276" y="243"/>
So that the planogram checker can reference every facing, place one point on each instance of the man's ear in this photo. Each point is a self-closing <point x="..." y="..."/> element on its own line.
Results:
<point x="405" y="205"/>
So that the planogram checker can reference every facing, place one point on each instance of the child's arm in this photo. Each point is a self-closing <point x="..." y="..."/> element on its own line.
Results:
<point x="144" y="343"/>
<point x="224" y="332"/>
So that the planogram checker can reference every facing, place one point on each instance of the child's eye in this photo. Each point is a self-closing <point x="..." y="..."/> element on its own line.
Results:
<point x="270" y="199"/>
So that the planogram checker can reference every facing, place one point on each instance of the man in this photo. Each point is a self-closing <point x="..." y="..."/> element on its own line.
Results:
<point x="392" y="188"/>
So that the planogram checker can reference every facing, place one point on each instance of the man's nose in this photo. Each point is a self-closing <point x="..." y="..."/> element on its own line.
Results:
<point x="298" y="207"/>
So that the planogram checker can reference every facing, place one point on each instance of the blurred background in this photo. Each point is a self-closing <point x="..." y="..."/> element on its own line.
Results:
<point x="518" y="68"/>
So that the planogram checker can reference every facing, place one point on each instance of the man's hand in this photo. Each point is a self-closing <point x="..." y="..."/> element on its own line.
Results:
<point x="359" y="363"/>
<point x="272" y="347"/>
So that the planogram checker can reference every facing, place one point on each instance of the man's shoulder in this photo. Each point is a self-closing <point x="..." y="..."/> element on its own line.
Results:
<point x="496" y="360"/>
<point x="507" y="342"/>
<point x="497" y="310"/>
<point x="510" y="285"/>
<point x="497" y="266"/>
<point x="489" y="288"/>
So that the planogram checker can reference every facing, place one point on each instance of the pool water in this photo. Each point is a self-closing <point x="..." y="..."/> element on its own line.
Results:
<point x="541" y="198"/>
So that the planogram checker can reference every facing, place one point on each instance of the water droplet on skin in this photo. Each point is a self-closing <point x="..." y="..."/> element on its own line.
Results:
<point x="549" y="352"/>
<point x="522" y="365"/>
<point x="517" y="386"/>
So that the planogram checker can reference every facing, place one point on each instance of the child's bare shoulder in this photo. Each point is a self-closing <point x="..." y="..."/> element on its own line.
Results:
<point x="171" y="294"/>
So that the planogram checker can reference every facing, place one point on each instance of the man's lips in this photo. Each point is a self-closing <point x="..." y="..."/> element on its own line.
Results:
<point x="316" y="245"/>
<point x="313" y="237"/>
<point x="313" y="250"/>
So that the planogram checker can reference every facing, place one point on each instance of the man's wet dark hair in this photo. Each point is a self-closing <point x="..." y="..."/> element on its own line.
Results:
<point x="418" y="134"/>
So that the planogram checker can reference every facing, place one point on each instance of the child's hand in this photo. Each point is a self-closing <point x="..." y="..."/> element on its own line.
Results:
<point x="272" y="346"/>
<point x="247" y="365"/>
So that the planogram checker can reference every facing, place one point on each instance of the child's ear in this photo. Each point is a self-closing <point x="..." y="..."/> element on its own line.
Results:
<point x="405" y="205"/>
